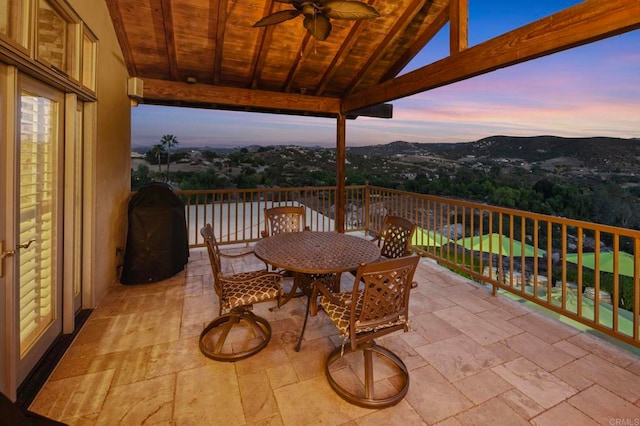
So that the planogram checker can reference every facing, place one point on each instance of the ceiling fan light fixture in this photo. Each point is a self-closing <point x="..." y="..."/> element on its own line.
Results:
<point x="318" y="14"/>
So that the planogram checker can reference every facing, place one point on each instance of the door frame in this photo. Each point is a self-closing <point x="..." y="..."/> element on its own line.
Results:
<point x="8" y="295"/>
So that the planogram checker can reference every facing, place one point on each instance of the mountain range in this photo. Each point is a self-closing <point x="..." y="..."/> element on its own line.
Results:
<point x="591" y="152"/>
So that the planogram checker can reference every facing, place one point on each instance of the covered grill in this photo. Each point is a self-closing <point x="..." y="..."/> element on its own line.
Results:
<point x="157" y="242"/>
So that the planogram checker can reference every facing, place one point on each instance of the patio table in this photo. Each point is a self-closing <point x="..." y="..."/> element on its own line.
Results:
<point x="310" y="253"/>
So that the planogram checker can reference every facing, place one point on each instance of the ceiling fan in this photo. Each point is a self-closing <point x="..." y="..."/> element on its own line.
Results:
<point x="317" y="14"/>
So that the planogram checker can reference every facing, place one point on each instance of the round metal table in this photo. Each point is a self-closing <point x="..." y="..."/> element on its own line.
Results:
<point x="311" y="252"/>
<point x="308" y="253"/>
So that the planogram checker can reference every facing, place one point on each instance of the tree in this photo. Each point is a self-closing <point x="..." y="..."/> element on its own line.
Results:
<point x="168" y="141"/>
<point x="155" y="153"/>
<point x="140" y="177"/>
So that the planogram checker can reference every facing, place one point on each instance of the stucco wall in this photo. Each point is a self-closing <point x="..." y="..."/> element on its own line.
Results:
<point x="111" y="152"/>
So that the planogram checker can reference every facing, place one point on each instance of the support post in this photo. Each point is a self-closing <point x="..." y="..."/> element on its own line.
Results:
<point x="340" y="172"/>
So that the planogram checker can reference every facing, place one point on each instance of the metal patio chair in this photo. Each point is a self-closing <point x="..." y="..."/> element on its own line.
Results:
<point x="396" y="236"/>
<point x="369" y="311"/>
<point x="237" y="293"/>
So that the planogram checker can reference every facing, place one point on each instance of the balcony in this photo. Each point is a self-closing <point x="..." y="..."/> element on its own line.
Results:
<point x="480" y="347"/>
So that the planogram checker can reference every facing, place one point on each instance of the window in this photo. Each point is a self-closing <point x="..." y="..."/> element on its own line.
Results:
<point x="57" y="40"/>
<point x="14" y="21"/>
<point x="89" y="49"/>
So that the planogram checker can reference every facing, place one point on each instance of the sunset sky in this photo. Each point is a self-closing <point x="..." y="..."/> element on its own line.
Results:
<point x="593" y="90"/>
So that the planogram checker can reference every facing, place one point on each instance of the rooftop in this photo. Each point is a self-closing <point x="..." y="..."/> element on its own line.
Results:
<point x="473" y="358"/>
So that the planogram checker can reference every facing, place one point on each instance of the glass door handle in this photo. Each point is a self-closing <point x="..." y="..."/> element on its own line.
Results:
<point x="26" y="245"/>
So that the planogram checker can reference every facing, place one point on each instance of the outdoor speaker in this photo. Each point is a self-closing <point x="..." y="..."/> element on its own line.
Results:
<point x="135" y="88"/>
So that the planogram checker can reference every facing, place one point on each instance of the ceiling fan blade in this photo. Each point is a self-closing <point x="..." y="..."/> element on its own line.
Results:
<point x="276" y="18"/>
<point x="318" y="26"/>
<point x="349" y="9"/>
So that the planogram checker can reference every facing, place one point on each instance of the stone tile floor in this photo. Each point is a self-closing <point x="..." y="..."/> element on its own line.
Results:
<point x="474" y="359"/>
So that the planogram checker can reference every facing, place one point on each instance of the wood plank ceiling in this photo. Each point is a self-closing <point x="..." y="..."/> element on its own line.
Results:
<point x="280" y="68"/>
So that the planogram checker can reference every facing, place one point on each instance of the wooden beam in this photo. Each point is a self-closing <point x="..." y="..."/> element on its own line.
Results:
<point x="584" y="23"/>
<point x="118" y="26"/>
<point x="377" y="111"/>
<point x="440" y="21"/>
<point x="341" y="55"/>
<point x="266" y="36"/>
<point x="458" y="26"/>
<point x="306" y="48"/>
<point x="172" y="91"/>
<point x="170" y="38"/>
<point x="398" y="29"/>
<point x="221" y="23"/>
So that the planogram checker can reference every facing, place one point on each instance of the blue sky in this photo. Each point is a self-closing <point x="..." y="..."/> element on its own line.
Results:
<point x="592" y="90"/>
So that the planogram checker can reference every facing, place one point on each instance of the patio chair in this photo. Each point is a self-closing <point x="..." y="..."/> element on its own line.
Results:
<point x="396" y="236"/>
<point x="378" y="308"/>
<point x="284" y="219"/>
<point x="237" y="293"/>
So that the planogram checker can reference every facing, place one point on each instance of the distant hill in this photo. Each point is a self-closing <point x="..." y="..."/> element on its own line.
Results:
<point x="591" y="152"/>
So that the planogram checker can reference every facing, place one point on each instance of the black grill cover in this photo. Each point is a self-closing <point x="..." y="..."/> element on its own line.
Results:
<point x="157" y="240"/>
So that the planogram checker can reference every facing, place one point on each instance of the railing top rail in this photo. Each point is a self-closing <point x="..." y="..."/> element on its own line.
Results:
<point x="632" y="233"/>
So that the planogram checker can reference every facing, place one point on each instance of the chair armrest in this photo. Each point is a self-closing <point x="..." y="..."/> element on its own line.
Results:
<point x="318" y="287"/>
<point x="262" y="273"/>
<point x="231" y="256"/>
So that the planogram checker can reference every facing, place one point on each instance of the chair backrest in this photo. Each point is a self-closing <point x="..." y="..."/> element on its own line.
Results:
<point x="214" y="254"/>
<point x="396" y="237"/>
<point x="284" y="219"/>
<point x="382" y="305"/>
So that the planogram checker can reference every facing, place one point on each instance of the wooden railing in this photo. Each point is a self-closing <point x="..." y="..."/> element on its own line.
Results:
<point x="237" y="216"/>
<point x="542" y="259"/>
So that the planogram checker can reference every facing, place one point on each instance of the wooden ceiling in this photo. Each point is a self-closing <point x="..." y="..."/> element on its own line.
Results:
<point x="281" y="68"/>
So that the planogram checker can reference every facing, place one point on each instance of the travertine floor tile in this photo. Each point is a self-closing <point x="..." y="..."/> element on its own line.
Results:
<point x="173" y="357"/>
<point x="521" y="403"/>
<point x="539" y="351"/>
<point x="605" y="407"/>
<point x="208" y="395"/>
<point x="611" y="377"/>
<point x="146" y="402"/>
<point x="492" y="412"/>
<point x="473" y="326"/>
<point x="401" y="414"/>
<point x="258" y="401"/>
<point x="458" y="357"/>
<point x="563" y="414"/>
<point x="433" y="397"/>
<point x="547" y="329"/>
<point x="482" y="386"/>
<point x="75" y="398"/>
<point x="538" y="384"/>
<point x="312" y="402"/>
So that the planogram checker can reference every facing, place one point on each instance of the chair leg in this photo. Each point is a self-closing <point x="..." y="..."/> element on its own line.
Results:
<point x="367" y="397"/>
<point x="213" y="339"/>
